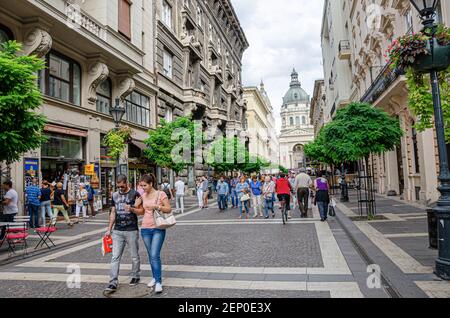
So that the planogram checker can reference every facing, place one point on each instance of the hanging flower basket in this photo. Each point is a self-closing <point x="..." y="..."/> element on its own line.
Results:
<point x="439" y="60"/>
<point x="414" y="50"/>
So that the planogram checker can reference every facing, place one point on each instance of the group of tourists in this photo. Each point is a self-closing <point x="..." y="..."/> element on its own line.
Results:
<point x="256" y="195"/>
<point x="47" y="200"/>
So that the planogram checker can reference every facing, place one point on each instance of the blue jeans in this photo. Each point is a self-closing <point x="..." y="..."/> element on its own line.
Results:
<point x="33" y="210"/>
<point x="268" y="206"/>
<point x="46" y="208"/>
<point x="154" y="240"/>
<point x="244" y="204"/>
<point x="222" y="201"/>
<point x="323" y="209"/>
<point x="234" y="198"/>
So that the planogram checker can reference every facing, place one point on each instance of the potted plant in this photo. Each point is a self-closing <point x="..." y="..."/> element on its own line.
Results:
<point x="415" y="51"/>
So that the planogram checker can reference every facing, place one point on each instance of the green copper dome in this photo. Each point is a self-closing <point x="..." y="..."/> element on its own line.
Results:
<point x="295" y="94"/>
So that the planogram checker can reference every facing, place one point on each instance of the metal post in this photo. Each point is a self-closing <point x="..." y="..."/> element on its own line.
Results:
<point x="443" y="205"/>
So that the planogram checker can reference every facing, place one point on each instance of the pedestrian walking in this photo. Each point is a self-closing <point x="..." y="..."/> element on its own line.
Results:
<point x="303" y="184"/>
<point x="222" y="191"/>
<point x="91" y="196"/>
<point x="228" y="196"/>
<point x="124" y="219"/>
<point x="243" y="193"/>
<point x="234" y="197"/>
<point x="268" y="190"/>
<point x="199" y="189"/>
<point x="256" y="187"/>
<point x="322" y="197"/>
<point x="205" y="188"/>
<point x="60" y="203"/>
<point x="33" y="195"/>
<point x="82" y="202"/>
<point x="46" y="202"/>
<point x="153" y="237"/>
<point x="293" y="192"/>
<point x="167" y="188"/>
<point x="179" y="195"/>
<point x="10" y="202"/>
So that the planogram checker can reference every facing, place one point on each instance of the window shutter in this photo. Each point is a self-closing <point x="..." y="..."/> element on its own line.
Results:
<point x="125" y="18"/>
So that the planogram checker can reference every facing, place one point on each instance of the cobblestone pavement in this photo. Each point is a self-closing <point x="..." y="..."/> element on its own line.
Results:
<point x="399" y="244"/>
<point x="210" y="254"/>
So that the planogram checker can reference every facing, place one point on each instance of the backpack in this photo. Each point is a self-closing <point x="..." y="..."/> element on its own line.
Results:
<point x="167" y="191"/>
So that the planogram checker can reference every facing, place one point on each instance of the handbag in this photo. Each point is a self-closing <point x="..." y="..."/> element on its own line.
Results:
<point x="163" y="220"/>
<point x="245" y="197"/>
<point x="331" y="211"/>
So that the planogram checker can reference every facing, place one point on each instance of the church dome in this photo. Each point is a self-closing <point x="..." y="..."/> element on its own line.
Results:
<point x="295" y="94"/>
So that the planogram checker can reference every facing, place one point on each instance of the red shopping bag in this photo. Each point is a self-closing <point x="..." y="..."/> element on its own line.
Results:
<point x="107" y="243"/>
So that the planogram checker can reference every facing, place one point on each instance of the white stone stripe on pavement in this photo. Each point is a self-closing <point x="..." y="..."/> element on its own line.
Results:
<point x="400" y="235"/>
<point x="435" y="289"/>
<point x="337" y="289"/>
<point x="403" y="260"/>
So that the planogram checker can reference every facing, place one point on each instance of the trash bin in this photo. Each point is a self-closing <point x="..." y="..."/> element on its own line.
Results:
<point x="432" y="228"/>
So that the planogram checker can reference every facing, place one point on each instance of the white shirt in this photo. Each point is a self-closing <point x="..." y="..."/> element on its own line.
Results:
<point x="12" y="207"/>
<point x="179" y="187"/>
<point x="303" y="181"/>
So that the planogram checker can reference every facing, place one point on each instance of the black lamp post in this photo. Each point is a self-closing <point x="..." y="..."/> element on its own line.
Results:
<point x="117" y="112"/>
<point x="427" y="11"/>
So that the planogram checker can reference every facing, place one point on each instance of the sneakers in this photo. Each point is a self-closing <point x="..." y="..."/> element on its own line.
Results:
<point x="158" y="288"/>
<point x="152" y="283"/>
<point x="111" y="289"/>
<point x="135" y="281"/>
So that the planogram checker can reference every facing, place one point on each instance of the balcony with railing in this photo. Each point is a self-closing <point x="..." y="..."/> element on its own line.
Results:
<point x="381" y="84"/>
<point x="77" y="18"/>
<point x="344" y="50"/>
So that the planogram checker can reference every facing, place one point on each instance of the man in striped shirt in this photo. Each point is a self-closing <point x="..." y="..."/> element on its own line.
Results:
<point x="33" y="195"/>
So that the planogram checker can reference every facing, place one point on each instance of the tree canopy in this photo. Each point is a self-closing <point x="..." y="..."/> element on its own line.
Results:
<point x="168" y="141"/>
<point x="20" y="125"/>
<point x="357" y="131"/>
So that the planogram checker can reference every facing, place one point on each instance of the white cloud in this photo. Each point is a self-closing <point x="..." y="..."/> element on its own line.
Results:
<point x="282" y="34"/>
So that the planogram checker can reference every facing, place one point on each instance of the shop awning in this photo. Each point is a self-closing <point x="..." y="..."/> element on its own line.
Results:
<point x="139" y="144"/>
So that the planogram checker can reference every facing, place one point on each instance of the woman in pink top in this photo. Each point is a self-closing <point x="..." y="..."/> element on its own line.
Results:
<point x="153" y="238"/>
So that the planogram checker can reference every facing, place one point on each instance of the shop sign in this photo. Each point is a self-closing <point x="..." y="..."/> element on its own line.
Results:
<point x="31" y="167"/>
<point x="89" y="170"/>
<point x="31" y="170"/>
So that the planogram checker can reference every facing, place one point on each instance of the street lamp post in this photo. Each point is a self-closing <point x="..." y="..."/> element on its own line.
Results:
<point x="427" y="11"/>
<point x="117" y="112"/>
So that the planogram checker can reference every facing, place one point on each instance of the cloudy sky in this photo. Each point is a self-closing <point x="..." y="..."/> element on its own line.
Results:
<point x="282" y="34"/>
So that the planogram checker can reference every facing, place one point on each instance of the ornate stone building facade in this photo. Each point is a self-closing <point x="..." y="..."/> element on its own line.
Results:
<point x="95" y="51"/>
<point x="199" y="49"/>
<point x="296" y="130"/>
<point x="365" y="29"/>
<point x="317" y="116"/>
<point x="263" y="140"/>
<point x="162" y="59"/>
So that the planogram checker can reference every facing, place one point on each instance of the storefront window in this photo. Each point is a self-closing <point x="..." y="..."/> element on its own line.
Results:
<point x="62" y="146"/>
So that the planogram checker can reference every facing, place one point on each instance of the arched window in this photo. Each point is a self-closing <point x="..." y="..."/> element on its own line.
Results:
<point x="291" y="120"/>
<point x="303" y="120"/>
<point x="297" y="120"/>
<point x="104" y="96"/>
<point x="5" y="34"/>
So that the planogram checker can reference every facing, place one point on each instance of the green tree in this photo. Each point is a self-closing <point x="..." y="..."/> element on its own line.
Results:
<point x="20" y="125"/>
<point x="357" y="131"/>
<point x="283" y="169"/>
<point x="163" y="141"/>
